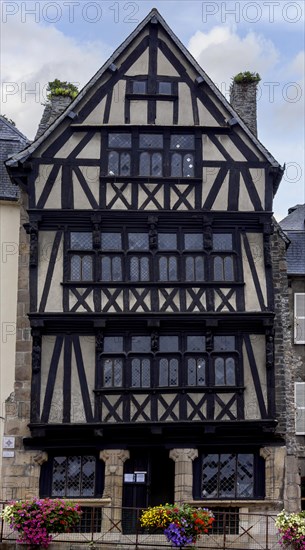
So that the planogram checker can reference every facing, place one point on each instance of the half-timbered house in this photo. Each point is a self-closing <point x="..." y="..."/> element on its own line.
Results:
<point x="151" y="296"/>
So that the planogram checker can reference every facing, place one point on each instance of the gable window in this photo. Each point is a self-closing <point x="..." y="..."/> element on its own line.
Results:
<point x="222" y="262"/>
<point x="299" y="318"/>
<point x="139" y="86"/>
<point x="151" y="154"/>
<point x="173" y="360"/>
<point x="165" y="88"/>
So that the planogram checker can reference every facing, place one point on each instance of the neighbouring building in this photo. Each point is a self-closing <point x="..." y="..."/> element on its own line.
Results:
<point x="158" y="298"/>
<point x="11" y="141"/>
<point x="294" y="227"/>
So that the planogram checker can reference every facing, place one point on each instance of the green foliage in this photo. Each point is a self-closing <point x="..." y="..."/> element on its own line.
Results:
<point x="246" y="77"/>
<point x="59" y="88"/>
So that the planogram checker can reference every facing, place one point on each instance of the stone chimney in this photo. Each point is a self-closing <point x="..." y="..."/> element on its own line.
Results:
<point x="56" y="105"/>
<point x="243" y="98"/>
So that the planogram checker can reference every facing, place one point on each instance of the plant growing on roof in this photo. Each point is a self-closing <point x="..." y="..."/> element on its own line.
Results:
<point x="246" y="77"/>
<point x="61" y="88"/>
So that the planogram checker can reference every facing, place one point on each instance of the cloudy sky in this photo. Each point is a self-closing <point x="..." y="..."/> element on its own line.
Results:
<point x="70" y="40"/>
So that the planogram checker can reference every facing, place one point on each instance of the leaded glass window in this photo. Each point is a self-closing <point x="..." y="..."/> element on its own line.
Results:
<point x="150" y="164"/>
<point x="168" y="372"/>
<point x="139" y="268"/>
<point x="224" y="371"/>
<point x="223" y="268"/>
<point x="151" y="141"/>
<point x="194" y="268"/>
<point x="196" y="371"/>
<point x="112" y="372"/>
<point x="140" y="372"/>
<point x="73" y="476"/>
<point x="81" y="240"/>
<point x="119" y="140"/>
<point x="81" y="268"/>
<point x="227" y="475"/>
<point x="111" y="241"/>
<point x="138" y="241"/>
<point x="165" y="87"/>
<point x="168" y="268"/>
<point x="111" y="268"/>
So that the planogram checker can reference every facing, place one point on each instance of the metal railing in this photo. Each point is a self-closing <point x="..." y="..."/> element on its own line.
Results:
<point x="106" y="528"/>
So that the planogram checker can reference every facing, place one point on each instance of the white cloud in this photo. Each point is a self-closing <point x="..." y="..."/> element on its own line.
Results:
<point x="34" y="55"/>
<point x="222" y="53"/>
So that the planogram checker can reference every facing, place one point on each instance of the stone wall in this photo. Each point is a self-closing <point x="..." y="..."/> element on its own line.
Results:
<point x="286" y="367"/>
<point x="20" y="473"/>
<point x="52" y="110"/>
<point x="243" y="101"/>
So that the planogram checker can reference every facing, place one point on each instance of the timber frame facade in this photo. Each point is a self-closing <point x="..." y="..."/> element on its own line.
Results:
<point x="151" y="292"/>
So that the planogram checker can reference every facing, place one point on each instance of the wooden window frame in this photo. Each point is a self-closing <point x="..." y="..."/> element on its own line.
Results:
<point x="299" y="409"/>
<point x="298" y="341"/>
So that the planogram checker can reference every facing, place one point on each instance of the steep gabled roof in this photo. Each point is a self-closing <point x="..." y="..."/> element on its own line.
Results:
<point x="295" y="221"/>
<point x="294" y="227"/>
<point x="11" y="141"/>
<point x="153" y="16"/>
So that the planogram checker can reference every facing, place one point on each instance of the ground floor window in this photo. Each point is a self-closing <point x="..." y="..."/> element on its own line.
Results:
<point x="72" y="476"/>
<point x="229" y="475"/>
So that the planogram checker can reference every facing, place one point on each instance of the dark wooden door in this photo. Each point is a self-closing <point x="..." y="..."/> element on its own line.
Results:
<point x="148" y="481"/>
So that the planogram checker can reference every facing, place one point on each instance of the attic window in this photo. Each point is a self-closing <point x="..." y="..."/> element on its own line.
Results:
<point x="139" y="86"/>
<point x="165" y="88"/>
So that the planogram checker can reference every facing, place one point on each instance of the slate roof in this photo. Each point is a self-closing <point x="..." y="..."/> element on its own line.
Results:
<point x="294" y="227"/>
<point x="153" y="16"/>
<point x="11" y="142"/>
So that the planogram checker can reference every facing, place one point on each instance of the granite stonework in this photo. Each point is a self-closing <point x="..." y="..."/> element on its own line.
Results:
<point x="243" y="100"/>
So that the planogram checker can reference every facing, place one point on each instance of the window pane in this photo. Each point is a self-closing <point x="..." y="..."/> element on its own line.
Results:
<point x="163" y="268"/>
<point x="195" y="343"/>
<point x="107" y="366"/>
<point x="219" y="371"/>
<point x="113" y="343"/>
<point x="172" y="269"/>
<point x="144" y="168"/>
<point x="167" y="241"/>
<point x="180" y="141"/>
<point x="59" y="476"/>
<point x="87" y="268"/>
<point x="134" y="268"/>
<point x="156" y="164"/>
<point x="113" y="163"/>
<point x="163" y="372"/>
<point x="230" y="371"/>
<point x="151" y="141"/>
<point x="111" y="241"/>
<point x="210" y="476"/>
<point x="118" y="372"/>
<point x="73" y="476"/>
<point x="139" y="86"/>
<point x="193" y="241"/>
<point x="224" y="343"/>
<point x="119" y="140"/>
<point x="227" y="482"/>
<point x="173" y="372"/>
<point x="218" y="268"/>
<point x="140" y="343"/>
<point x="176" y="165"/>
<point x="117" y="269"/>
<point x="144" y="269"/>
<point x="222" y="241"/>
<point x="165" y="87"/>
<point x="125" y="164"/>
<point x="81" y="241"/>
<point x="169" y="343"/>
<point x="136" y="373"/>
<point x="75" y="268"/>
<point x="106" y="269"/>
<point x="138" y="241"/>
<point x="145" y="373"/>
<point x="88" y="476"/>
<point x="188" y="166"/>
<point x="190" y="268"/>
<point x="228" y="268"/>
<point x="245" y="476"/>
<point x="199" y="268"/>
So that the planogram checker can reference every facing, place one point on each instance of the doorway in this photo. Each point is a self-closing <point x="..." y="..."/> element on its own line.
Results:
<point x="149" y="478"/>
